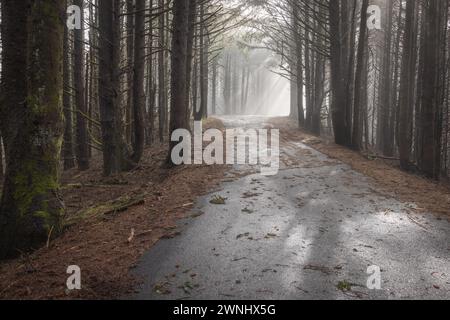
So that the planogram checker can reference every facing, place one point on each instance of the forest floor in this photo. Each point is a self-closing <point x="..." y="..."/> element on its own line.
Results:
<point x="110" y="223"/>
<point x="308" y="232"/>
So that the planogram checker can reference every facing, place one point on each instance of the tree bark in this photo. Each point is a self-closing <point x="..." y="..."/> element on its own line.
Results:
<point x="179" y="60"/>
<point x="151" y="85"/>
<point x="338" y="90"/>
<point x="202" y="113"/>
<point x="115" y="152"/>
<point x="68" y="153"/>
<point x="299" y="72"/>
<point x="433" y="83"/>
<point x="138" y="82"/>
<point x="214" y="87"/>
<point x="385" y="140"/>
<point x="129" y="84"/>
<point x="192" y="19"/>
<point x="162" y="103"/>
<point x="33" y="123"/>
<point x="357" y="123"/>
<point x="407" y="87"/>
<point x="82" y="149"/>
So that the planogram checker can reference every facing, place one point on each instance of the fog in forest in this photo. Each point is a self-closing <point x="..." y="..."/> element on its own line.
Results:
<point x="251" y="83"/>
<point x="247" y="76"/>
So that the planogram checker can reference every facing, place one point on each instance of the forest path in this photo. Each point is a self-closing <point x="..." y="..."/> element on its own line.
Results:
<point x="309" y="232"/>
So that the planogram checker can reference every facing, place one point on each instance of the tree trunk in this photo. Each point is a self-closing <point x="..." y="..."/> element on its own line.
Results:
<point x="338" y="89"/>
<point x="319" y="95"/>
<point x="300" y="80"/>
<point x="32" y="122"/>
<point x="162" y="103"/>
<point x="150" y="84"/>
<point x="138" y="82"/>
<point x="214" y="87"/>
<point x="68" y="153"/>
<point x="179" y="59"/>
<point x="433" y="83"/>
<point x="386" y="143"/>
<point x="203" y="68"/>
<point x="82" y="149"/>
<point x="192" y="19"/>
<point x="407" y="87"/>
<point x="308" y="81"/>
<point x="115" y="152"/>
<point x="357" y="124"/>
<point x="227" y="84"/>
<point x="129" y="93"/>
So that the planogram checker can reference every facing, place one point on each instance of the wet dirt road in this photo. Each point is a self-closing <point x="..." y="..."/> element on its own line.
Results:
<point x="309" y="232"/>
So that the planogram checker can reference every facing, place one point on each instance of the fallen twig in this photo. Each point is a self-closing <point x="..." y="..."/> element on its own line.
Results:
<point x="180" y="207"/>
<point x="49" y="236"/>
<point x="125" y="206"/>
<point x="143" y="233"/>
<point x="131" y="237"/>
<point x="415" y="222"/>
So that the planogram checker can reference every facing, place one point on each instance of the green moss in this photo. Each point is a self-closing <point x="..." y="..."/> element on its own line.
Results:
<point x="33" y="187"/>
<point x="344" y="286"/>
